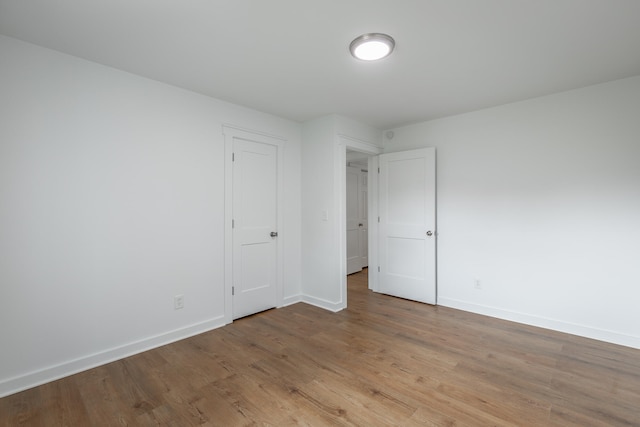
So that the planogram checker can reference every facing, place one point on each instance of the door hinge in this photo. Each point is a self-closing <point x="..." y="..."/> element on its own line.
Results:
<point x="378" y="170"/>
<point x="233" y="223"/>
<point x="233" y="157"/>
<point x="233" y="290"/>
<point x="378" y="269"/>
<point x="378" y="219"/>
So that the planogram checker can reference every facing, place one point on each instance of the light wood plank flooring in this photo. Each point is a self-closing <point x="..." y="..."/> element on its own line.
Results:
<point x="382" y="362"/>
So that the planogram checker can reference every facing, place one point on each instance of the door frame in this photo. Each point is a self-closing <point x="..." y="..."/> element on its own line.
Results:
<point x="231" y="132"/>
<point x="344" y="142"/>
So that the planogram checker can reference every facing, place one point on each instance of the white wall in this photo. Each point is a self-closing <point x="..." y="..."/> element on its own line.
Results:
<point x="540" y="201"/>
<point x="111" y="203"/>
<point x="319" y="238"/>
<point x="323" y="183"/>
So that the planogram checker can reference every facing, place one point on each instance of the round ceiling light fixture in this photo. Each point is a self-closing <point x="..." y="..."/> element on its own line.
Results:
<point x="372" y="46"/>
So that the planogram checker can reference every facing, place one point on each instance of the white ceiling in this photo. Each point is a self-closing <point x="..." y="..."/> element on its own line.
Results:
<point x="290" y="57"/>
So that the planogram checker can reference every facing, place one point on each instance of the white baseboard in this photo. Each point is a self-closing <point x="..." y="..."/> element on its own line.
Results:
<point x="542" y="322"/>
<point x="36" y="378"/>
<point x="327" y="305"/>
<point x="294" y="299"/>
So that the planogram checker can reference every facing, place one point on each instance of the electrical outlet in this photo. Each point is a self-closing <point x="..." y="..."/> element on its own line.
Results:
<point x="178" y="302"/>
<point x="477" y="284"/>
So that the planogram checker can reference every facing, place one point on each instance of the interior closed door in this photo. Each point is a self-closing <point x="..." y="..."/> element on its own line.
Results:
<point x="407" y="235"/>
<point x="363" y="212"/>
<point x="254" y="227"/>
<point x="354" y="225"/>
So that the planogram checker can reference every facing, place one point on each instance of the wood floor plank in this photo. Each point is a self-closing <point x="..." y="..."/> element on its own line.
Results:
<point x="383" y="361"/>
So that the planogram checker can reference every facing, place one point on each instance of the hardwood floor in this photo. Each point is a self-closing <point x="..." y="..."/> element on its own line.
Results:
<point x="382" y="362"/>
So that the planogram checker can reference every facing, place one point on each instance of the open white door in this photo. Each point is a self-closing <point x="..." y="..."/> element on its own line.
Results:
<point x="407" y="234"/>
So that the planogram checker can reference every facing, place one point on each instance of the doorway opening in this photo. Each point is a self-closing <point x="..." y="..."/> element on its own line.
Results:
<point x="357" y="207"/>
<point x="402" y="239"/>
<point x="368" y="151"/>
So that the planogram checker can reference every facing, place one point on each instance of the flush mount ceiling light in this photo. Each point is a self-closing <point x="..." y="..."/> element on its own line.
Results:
<point x="372" y="46"/>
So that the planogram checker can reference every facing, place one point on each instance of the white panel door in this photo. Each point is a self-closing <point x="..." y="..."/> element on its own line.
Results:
<point x="354" y="253"/>
<point x="254" y="221"/>
<point x="363" y="211"/>
<point x="407" y="232"/>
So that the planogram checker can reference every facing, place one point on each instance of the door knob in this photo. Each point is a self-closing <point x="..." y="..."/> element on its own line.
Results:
<point x="274" y="234"/>
<point x="360" y="225"/>
<point x="429" y="233"/>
